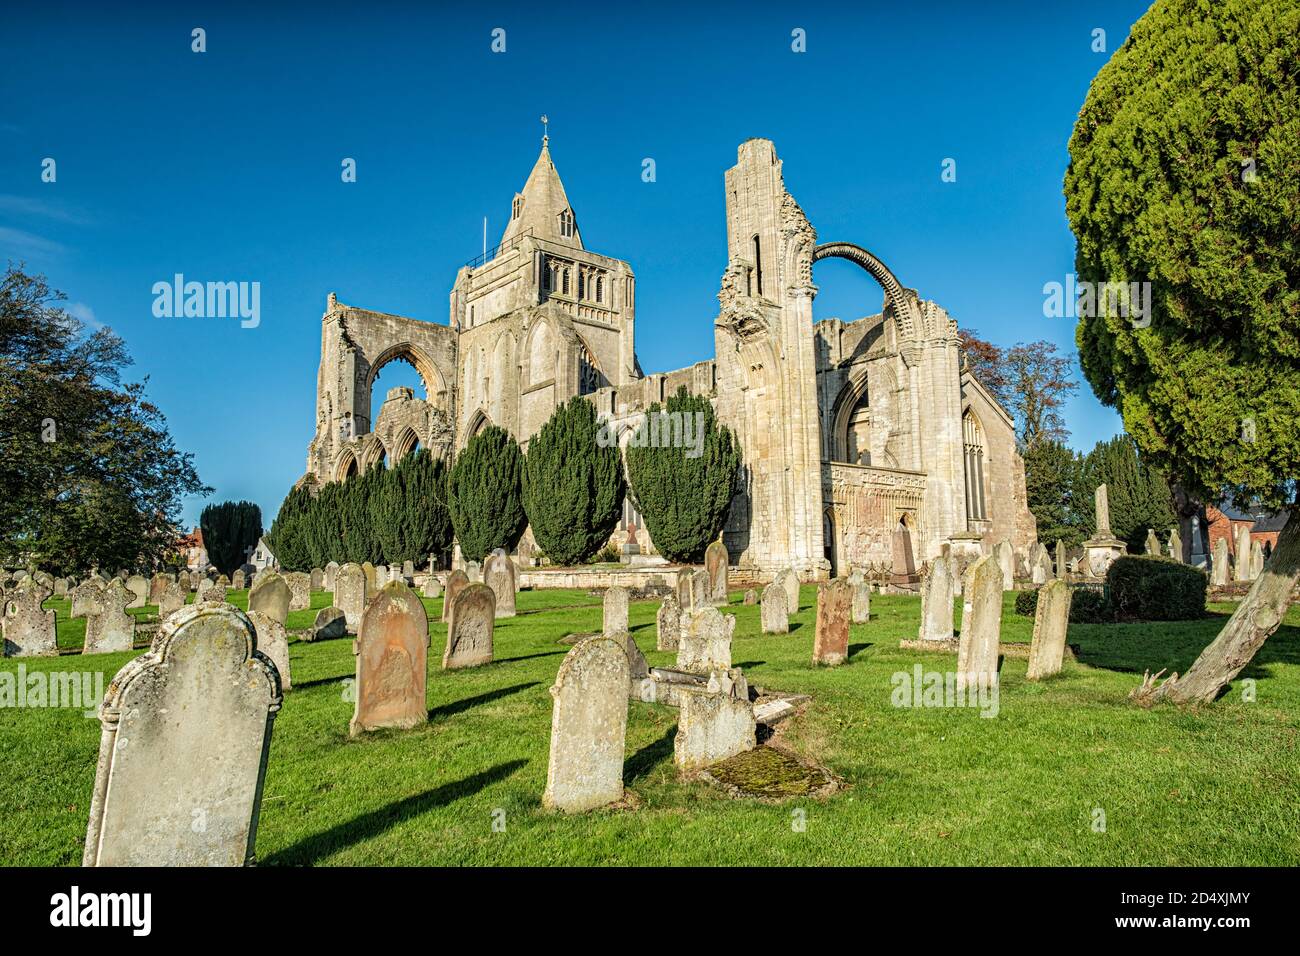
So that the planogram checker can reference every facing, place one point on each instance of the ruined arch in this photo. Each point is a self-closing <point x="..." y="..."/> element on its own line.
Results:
<point x="405" y="443"/>
<point x="373" y="453"/>
<point x="477" y="422"/>
<point x="899" y="299"/>
<point x="434" y="384"/>
<point x="347" y="466"/>
<point x="854" y="396"/>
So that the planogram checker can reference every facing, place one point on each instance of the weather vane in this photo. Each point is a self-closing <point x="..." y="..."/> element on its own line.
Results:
<point x="545" y="129"/>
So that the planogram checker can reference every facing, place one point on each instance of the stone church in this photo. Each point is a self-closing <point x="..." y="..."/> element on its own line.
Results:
<point x="866" y="443"/>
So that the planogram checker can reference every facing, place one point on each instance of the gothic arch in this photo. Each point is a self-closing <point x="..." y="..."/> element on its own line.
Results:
<point x="406" y="443"/>
<point x="372" y="452"/>
<point x="434" y="383"/>
<point x="477" y="422"/>
<point x="898" y="297"/>
<point x="347" y="466"/>
<point x="542" y="353"/>
<point x="851" y="396"/>
<point x="590" y="376"/>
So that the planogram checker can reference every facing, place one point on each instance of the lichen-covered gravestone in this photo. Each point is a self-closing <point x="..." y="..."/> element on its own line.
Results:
<point x="172" y="599"/>
<point x="156" y="585"/>
<point x="392" y="651"/>
<point x="684" y="589"/>
<point x="350" y="594"/>
<point x="615" y="611"/>
<point x="330" y="623"/>
<point x="668" y="624"/>
<point x="716" y="560"/>
<point x="474" y="572"/>
<point x="861" y="611"/>
<point x="936" y="601"/>
<point x="1051" y="621"/>
<point x="469" y="628"/>
<point x="751" y="597"/>
<point x="239" y="580"/>
<point x="182" y="755"/>
<point x="433" y="587"/>
<point x="705" y="644"/>
<point x="977" y="653"/>
<point x="588" y="727"/>
<point x="499" y="574"/>
<point x="1006" y="558"/>
<point x="457" y="581"/>
<point x="271" y="595"/>
<point x="108" y="627"/>
<point x="774" y="610"/>
<point x="274" y="643"/>
<point x="317" y="579"/>
<point x="712" y="726"/>
<point x="29" y="630"/>
<point x="331" y="570"/>
<point x="1219" y="573"/>
<point x="139" y="588"/>
<point x="701" y="591"/>
<point x="834" y="608"/>
<point x="299" y="590"/>
<point x="790" y="581"/>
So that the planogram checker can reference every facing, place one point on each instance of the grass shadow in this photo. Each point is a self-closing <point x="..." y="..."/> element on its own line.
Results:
<point x="854" y="648"/>
<point x="460" y="706"/>
<point x="640" y="762"/>
<point x="320" y="845"/>
<point x="527" y="657"/>
<point x="321" y="681"/>
<point x="1133" y="648"/>
<point x="744" y="664"/>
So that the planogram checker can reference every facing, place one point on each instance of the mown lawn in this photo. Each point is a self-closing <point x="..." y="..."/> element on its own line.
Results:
<point x="924" y="786"/>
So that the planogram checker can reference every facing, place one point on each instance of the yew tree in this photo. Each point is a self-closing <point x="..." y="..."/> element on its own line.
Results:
<point x="1185" y="173"/>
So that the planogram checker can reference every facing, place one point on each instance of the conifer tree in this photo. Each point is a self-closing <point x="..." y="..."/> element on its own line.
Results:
<point x="485" y="494"/>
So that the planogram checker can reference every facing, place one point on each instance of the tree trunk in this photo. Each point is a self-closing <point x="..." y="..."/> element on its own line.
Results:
<point x="1258" y="616"/>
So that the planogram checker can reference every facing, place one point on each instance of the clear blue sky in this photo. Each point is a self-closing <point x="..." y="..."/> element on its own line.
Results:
<point x="225" y="166"/>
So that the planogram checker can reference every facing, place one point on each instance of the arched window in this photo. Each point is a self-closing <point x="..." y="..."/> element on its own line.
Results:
<point x="566" y="224"/>
<point x="758" y="266"/>
<point x="857" y="439"/>
<point x="973" y="441"/>
<point x="565" y="288"/>
<point x="517" y="207"/>
<point x="600" y="288"/>
<point x="582" y="284"/>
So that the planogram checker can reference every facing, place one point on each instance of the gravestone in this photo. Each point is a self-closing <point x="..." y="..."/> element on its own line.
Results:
<point x="186" y="733"/>
<point x="350" y="594"/>
<point x="156" y="585"/>
<point x="615" y="611"/>
<point x="224" y="583"/>
<point x="239" y="580"/>
<point x="1007" y="564"/>
<point x="936" y="601"/>
<point x="790" y="581"/>
<point x="300" y="590"/>
<point x="271" y="596"/>
<point x="1256" y="559"/>
<point x="716" y="559"/>
<point x="977" y="653"/>
<point x="331" y="570"/>
<point x="1176" y="545"/>
<point x="392" y="649"/>
<point x="711" y="727"/>
<point x="1062" y="571"/>
<point x="469" y="628"/>
<point x="705" y="643"/>
<point x="751" y="597"/>
<point x="1152" y="543"/>
<point x="701" y="591"/>
<point x="774" y="612"/>
<point x="457" y="581"/>
<point x="1219" y="573"/>
<point x="186" y="581"/>
<point x="834" y="608"/>
<point x="668" y="625"/>
<point x="588" y="727"/>
<point x="139" y="589"/>
<point x="330" y="623"/>
<point x="372" y="580"/>
<point x="29" y="630"/>
<point x="109" y="628"/>
<point x="473" y="571"/>
<point x="408" y="570"/>
<point x="1241" y="558"/>
<point x="499" y="574"/>
<point x="274" y="643"/>
<point x="861" y="613"/>
<point x="317" y="579"/>
<point x="433" y="587"/>
<point x="684" y="589"/>
<point x="61" y="587"/>
<point x="171" y="600"/>
<point x="1051" y="621"/>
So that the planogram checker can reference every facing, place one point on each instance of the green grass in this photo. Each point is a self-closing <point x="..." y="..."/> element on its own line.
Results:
<point x="924" y="786"/>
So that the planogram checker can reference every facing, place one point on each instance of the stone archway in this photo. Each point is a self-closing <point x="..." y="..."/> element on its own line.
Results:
<point x="434" y="385"/>
<point x="899" y="299"/>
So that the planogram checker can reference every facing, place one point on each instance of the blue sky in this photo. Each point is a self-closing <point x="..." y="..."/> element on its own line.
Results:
<point x="225" y="166"/>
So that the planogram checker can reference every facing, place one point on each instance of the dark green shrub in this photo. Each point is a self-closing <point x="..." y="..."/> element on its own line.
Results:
<point x="230" y="529"/>
<point x="1150" y="588"/>
<point x="1027" y="603"/>
<point x="1089" y="607"/>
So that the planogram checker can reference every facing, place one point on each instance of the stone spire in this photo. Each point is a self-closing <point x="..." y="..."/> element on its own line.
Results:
<point x="542" y="206"/>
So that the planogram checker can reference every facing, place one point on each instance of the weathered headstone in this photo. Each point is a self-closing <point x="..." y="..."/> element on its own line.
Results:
<point x="668" y="625"/>
<point x="588" y="727"/>
<point x="977" y="652"/>
<point x="300" y="590"/>
<point x="1062" y="571"/>
<point x="273" y="641"/>
<point x="1152" y="543"/>
<point x="186" y="733"/>
<point x="936" y="601"/>
<point x="473" y="572"/>
<point x="372" y="580"/>
<point x="1007" y="564"/>
<point x="615" y="611"/>
<point x="156" y="585"/>
<point x="29" y="630"/>
<point x="139" y="589"/>
<point x="330" y="623"/>
<point x="751" y="597"/>
<point x="457" y="581"/>
<point x="684" y="589"/>
<point x="499" y="574"/>
<point x="108" y="627"/>
<point x="271" y="595"/>
<point x="408" y="570"/>
<point x="1241" y="563"/>
<point x="469" y="628"/>
<point x="317" y="579"/>
<point x="432" y="587"/>
<point x="1256" y="559"/>
<point x="1175" y="545"/>
<point x="1051" y="621"/>
<point x="392" y="649"/>
<point x="711" y="727"/>
<point x="705" y="643"/>
<point x="1219" y="573"/>
<point x="238" y="579"/>
<point x="834" y="609"/>
<point x="701" y="591"/>
<point x="790" y="581"/>
<point x="350" y="594"/>
<point x="774" y="613"/>
<point x="716" y="559"/>
<point x="861" y="598"/>
<point x="171" y="600"/>
<point x="331" y="570"/>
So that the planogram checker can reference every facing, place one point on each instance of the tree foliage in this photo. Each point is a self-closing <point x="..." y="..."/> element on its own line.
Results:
<point x="1050" y="486"/>
<point x="230" y="529"/>
<point x="683" y="496"/>
<point x="573" y="484"/>
<point x="89" y="475"/>
<point x="485" y="494"/>
<point x="386" y="516"/>
<point x="1138" y="493"/>
<point x="1030" y="380"/>
<point x="1183" y="173"/>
